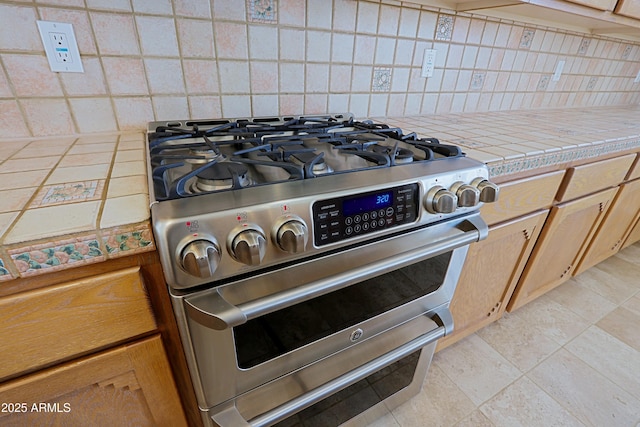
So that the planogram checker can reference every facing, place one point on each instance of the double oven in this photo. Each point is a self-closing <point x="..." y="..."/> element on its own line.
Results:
<point x="313" y="296"/>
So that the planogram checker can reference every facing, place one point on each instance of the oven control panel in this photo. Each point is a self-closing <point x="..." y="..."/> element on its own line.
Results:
<point x="341" y="218"/>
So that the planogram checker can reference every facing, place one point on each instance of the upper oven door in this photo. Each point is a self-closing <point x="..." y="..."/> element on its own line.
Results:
<point x="243" y="334"/>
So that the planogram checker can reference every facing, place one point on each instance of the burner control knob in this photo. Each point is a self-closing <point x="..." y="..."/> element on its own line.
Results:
<point x="248" y="247"/>
<point x="291" y="236"/>
<point x="468" y="195"/>
<point x="488" y="190"/>
<point x="200" y="258"/>
<point x="440" y="200"/>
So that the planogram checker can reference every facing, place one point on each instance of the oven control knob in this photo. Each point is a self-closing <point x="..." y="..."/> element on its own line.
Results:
<point x="248" y="247"/>
<point x="440" y="200"/>
<point x="200" y="258"/>
<point x="468" y="195"/>
<point x="488" y="190"/>
<point x="292" y="236"/>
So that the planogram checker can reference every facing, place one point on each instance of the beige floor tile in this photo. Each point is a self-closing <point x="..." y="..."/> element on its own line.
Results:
<point x="476" y="368"/>
<point x="587" y="394"/>
<point x="475" y="419"/>
<point x="552" y="319"/>
<point x="440" y="402"/>
<point x="609" y="356"/>
<point x="524" y="404"/>
<point x="385" y="421"/>
<point x="515" y="339"/>
<point x="586" y="303"/>
<point x="623" y="324"/>
<point x="633" y="303"/>
<point x="630" y="254"/>
<point x="606" y="284"/>
<point x="623" y="270"/>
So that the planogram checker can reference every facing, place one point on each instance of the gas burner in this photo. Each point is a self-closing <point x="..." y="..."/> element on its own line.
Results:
<point x="321" y="167"/>
<point x="221" y="176"/>
<point x="204" y="154"/>
<point x="399" y="155"/>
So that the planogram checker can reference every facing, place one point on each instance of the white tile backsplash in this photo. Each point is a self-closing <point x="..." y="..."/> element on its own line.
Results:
<point x="149" y="59"/>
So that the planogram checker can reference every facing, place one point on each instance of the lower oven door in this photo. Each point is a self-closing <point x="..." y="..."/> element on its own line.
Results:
<point x="242" y="335"/>
<point x="355" y="386"/>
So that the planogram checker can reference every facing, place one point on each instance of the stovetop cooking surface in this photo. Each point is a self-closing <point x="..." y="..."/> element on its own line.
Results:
<point x="189" y="158"/>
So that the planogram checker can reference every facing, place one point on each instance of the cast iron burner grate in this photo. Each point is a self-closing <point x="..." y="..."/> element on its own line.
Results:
<point x="252" y="152"/>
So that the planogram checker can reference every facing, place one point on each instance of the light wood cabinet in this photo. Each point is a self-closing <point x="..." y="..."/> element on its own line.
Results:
<point x="490" y="274"/>
<point x="597" y="4"/>
<point x="630" y="8"/>
<point x="562" y="242"/>
<point x="616" y="225"/>
<point x="522" y="197"/>
<point x="633" y="236"/>
<point x="591" y="177"/>
<point x="85" y="347"/>
<point x="130" y="385"/>
<point x="59" y="322"/>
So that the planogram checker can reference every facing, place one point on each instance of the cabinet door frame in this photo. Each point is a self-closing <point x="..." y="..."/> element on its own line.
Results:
<point x="529" y="286"/>
<point x="529" y="228"/>
<point x="615" y="227"/>
<point x="141" y="365"/>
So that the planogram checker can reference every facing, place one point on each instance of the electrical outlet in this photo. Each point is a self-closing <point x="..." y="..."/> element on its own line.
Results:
<point x="61" y="47"/>
<point x="428" y="63"/>
<point x="558" y="72"/>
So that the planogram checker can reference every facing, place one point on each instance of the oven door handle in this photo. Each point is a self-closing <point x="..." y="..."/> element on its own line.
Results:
<point x="230" y="416"/>
<point x="212" y="310"/>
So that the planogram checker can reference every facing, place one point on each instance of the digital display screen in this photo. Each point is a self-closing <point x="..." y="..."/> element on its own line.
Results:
<point x="367" y="203"/>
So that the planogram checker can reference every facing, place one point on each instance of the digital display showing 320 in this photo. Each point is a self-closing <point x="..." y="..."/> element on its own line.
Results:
<point x="367" y="203"/>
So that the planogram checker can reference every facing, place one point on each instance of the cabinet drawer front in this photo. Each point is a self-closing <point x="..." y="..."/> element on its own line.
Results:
<point x="630" y="8"/>
<point x="597" y="4"/>
<point x="522" y="196"/>
<point x="592" y="177"/>
<point x="44" y="326"/>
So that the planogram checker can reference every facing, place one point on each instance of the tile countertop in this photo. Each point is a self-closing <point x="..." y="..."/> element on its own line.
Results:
<point x="70" y="201"/>
<point x="513" y="143"/>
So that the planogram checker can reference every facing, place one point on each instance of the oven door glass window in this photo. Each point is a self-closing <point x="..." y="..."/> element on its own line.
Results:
<point x="278" y="333"/>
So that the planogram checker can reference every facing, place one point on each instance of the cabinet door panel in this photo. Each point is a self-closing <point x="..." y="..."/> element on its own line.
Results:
<point x="561" y="244"/>
<point x="60" y="322"/>
<point x="616" y="225"/>
<point x="490" y="273"/>
<point x="126" y="386"/>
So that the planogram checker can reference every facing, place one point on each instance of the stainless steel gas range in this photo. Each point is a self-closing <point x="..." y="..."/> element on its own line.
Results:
<point x="311" y="260"/>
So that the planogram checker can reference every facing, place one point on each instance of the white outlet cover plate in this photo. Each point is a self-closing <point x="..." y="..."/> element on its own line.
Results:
<point x="428" y="63"/>
<point x="64" y="57"/>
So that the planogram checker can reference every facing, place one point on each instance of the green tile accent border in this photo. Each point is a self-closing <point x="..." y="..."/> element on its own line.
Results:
<point x="523" y="164"/>
<point x="128" y="240"/>
<point x="5" y="274"/>
<point x="53" y="256"/>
